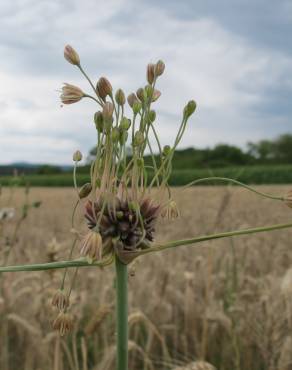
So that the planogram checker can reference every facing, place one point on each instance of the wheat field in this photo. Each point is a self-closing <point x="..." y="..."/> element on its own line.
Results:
<point x="226" y="303"/>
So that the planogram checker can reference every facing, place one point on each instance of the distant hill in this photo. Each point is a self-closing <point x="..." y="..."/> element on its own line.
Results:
<point x="24" y="168"/>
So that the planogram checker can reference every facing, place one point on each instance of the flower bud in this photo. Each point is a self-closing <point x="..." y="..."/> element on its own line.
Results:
<point x="71" y="55"/>
<point x="77" y="156"/>
<point x="104" y="88"/>
<point x="152" y="116"/>
<point x="140" y="162"/>
<point x="138" y="138"/>
<point x="108" y="110"/>
<point x="159" y="68"/>
<point x="120" y="97"/>
<point x="98" y="120"/>
<point x="125" y="124"/>
<point x="136" y="107"/>
<point x="132" y="98"/>
<point x="115" y="134"/>
<point x="91" y="246"/>
<point x="141" y="94"/>
<point x="288" y="199"/>
<point x="150" y="73"/>
<point x="85" y="190"/>
<point x="166" y="150"/>
<point x="149" y="91"/>
<point x="63" y="323"/>
<point x="156" y="95"/>
<point x="123" y="137"/>
<point x="190" y="108"/>
<point x="60" y="300"/>
<point x="71" y="94"/>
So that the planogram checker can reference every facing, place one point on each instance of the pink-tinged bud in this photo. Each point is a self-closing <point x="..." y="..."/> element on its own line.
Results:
<point x="104" y="88"/>
<point x="150" y="73"/>
<point x="159" y="68"/>
<point x="71" y="94"/>
<point x="132" y="98"/>
<point x="156" y="95"/>
<point x="63" y="323"/>
<point x="71" y="55"/>
<point x="141" y="94"/>
<point x="108" y="110"/>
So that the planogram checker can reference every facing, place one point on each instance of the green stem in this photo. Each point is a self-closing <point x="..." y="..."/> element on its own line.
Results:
<point x="82" y="262"/>
<point x="178" y="243"/>
<point x="122" y="315"/>
<point x="225" y="179"/>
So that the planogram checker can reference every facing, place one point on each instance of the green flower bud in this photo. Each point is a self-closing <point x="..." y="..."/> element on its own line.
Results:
<point x="85" y="190"/>
<point x="98" y="120"/>
<point x="108" y="123"/>
<point x="166" y="150"/>
<point x="149" y="91"/>
<point x="138" y="138"/>
<point x="123" y="137"/>
<point x="140" y="162"/>
<point x="190" y="108"/>
<point x="77" y="156"/>
<point x="120" y="97"/>
<point x="115" y="134"/>
<point x="152" y="116"/>
<point x="136" y="107"/>
<point x="125" y="124"/>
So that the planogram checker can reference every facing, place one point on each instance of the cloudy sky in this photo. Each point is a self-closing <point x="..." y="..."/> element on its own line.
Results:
<point x="234" y="57"/>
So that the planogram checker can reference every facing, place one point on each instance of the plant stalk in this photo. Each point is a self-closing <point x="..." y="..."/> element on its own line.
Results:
<point x="122" y="315"/>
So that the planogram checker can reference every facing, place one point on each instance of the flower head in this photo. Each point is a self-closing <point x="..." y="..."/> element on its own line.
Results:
<point x="71" y="55"/>
<point x="71" y="94"/>
<point x="131" y="224"/>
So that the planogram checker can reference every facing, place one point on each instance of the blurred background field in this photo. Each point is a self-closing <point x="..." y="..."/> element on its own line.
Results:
<point x="227" y="302"/>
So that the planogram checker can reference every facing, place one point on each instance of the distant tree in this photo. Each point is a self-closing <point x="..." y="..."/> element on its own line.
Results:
<point x="283" y="148"/>
<point x="264" y="150"/>
<point x="47" y="169"/>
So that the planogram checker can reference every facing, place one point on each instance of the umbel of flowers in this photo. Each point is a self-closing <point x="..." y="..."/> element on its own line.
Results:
<point x="121" y="209"/>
